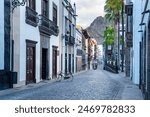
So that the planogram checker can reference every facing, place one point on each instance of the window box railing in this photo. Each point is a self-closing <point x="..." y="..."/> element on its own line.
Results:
<point x="66" y="38"/>
<point x="54" y="28"/>
<point x="47" y="26"/>
<point x="71" y="40"/>
<point x="44" y="24"/>
<point x="31" y="17"/>
<point x="79" y="52"/>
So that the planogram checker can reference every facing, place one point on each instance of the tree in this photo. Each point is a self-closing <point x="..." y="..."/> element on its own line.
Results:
<point x="122" y="15"/>
<point x="112" y="9"/>
<point x="109" y="36"/>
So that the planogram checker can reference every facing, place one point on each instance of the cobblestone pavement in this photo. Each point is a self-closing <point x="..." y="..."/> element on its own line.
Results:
<point x="88" y="85"/>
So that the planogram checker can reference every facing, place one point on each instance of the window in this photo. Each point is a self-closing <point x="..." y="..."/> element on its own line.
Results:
<point x="70" y="16"/>
<point x="32" y="4"/>
<point x="55" y="13"/>
<point x="66" y="25"/>
<point x="73" y="29"/>
<point x="70" y="29"/>
<point x="45" y="7"/>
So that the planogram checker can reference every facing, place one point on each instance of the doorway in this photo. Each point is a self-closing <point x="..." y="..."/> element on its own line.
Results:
<point x="44" y="64"/>
<point x="30" y="63"/>
<point x="54" y="62"/>
<point x="69" y="62"/>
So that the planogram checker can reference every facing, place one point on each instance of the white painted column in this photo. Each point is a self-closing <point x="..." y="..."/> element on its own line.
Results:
<point x="2" y="34"/>
<point x="75" y="55"/>
<point x="136" y="39"/>
<point x="63" y="41"/>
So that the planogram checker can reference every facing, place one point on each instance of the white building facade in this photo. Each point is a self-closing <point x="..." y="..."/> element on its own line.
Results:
<point x="36" y="41"/>
<point x="67" y="40"/>
<point x="134" y="10"/>
<point x="137" y="10"/>
<point x="140" y="52"/>
<point x="2" y="35"/>
<point x="78" y="50"/>
<point x="55" y="63"/>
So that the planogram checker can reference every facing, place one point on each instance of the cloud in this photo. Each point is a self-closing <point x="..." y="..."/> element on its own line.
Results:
<point x="88" y="10"/>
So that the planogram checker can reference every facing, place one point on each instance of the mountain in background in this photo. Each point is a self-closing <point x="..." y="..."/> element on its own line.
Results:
<point x="97" y="27"/>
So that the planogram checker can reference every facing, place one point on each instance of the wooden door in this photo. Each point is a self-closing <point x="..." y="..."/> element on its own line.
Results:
<point x="44" y="63"/>
<point x="54" y="58"/>
<point x="66" y="63"/>
<point x="69" y="63"/>
<point x="30" y="65"/>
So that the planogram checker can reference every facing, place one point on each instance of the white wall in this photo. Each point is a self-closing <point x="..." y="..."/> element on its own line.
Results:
<point x="61" y="39"/>
<point x="54" y="40"/>
<point x="70" y="49"/>
<point x="21" y="32"/>
<point x="78" y="45"/>
<point x="146" y="20"/>
<point x="2" y="34"/>
<point x="136" y="39"/>
<point x="31" y="33"/>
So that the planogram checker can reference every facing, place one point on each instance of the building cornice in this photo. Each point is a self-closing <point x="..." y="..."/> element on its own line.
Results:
<point x="70" y="11"/>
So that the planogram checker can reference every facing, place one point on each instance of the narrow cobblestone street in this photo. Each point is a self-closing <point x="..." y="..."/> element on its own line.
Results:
<point x="89" y="85"/>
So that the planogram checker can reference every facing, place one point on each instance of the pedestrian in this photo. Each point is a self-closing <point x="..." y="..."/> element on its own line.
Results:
<point x="94" y="64"/>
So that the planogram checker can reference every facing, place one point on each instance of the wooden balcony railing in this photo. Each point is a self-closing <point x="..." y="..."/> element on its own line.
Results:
<point x="71" y="40"/>
<point x="47" y="26"/>
<point x="31" y="17"/>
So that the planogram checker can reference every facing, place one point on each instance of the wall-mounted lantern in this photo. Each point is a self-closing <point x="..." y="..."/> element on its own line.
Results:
<point x="16" y="3"/>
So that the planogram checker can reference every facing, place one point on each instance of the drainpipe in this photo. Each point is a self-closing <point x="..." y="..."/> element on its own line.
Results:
<point x="122" y="69"/>
<point x="118" y="42"/>
<point x="75" y="39"/>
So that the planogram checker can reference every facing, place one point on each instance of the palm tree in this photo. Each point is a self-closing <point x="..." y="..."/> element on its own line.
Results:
<point x="112" y="9"/>
<point x="122" y="15"/>
<point x="108" y="40"/>
<point x="109" y="36"/>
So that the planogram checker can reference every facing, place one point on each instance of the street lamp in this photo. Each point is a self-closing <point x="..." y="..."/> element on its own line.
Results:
<point x="147" y="11"/>
<point x="11" y="6"/>
<point x="141" y="24"/>
<point x="16" y="3"/>
<point x="140" y="31"/>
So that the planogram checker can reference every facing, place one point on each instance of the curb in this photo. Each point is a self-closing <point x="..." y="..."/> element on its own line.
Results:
<point x="81" y="72"/>
<point x="25" y="87"/>
<point x="34" y="85"/>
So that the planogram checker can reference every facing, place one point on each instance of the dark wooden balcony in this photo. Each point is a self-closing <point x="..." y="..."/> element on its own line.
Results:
<point x="54" y="28"/>
<point x="31" y="17"/>
<point x="66" y="1"/>
<point x="71" y="40"/>
<point x="47" y="26"/>
<point x="79" y="52"/>
<point x="66" y="38"/>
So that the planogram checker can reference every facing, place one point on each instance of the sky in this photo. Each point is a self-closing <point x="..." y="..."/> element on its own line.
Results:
<point x="88" y="10"/>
